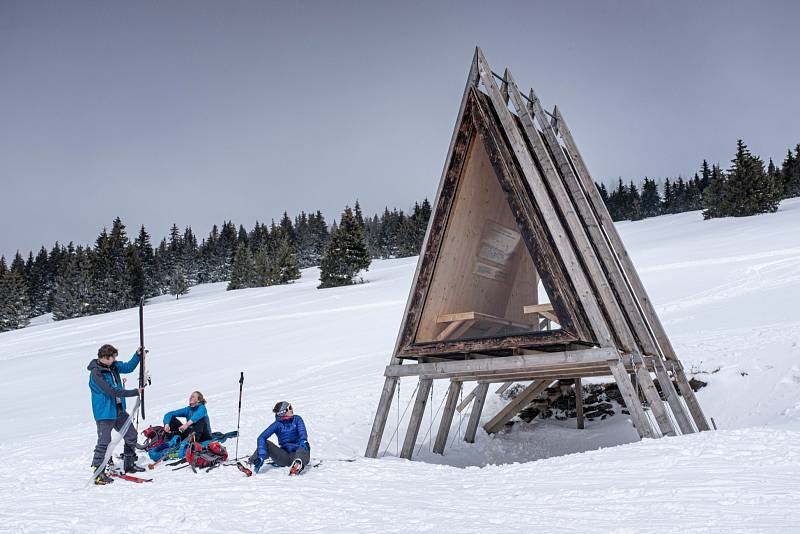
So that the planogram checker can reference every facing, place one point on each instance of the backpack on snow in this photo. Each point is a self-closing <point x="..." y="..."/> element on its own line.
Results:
<point x="154" y="437"/>
<point x="210" y="456"/>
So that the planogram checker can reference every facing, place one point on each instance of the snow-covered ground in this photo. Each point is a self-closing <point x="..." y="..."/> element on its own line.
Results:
<point x="727" y="292"/>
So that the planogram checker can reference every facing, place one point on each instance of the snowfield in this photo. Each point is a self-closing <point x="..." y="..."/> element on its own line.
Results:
<point x="726" y="290"/>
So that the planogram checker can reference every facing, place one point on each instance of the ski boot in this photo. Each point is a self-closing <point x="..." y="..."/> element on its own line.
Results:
<point x="297" y="467"/>
<point x="102" y="479"/>
<point x="130" y="465"/>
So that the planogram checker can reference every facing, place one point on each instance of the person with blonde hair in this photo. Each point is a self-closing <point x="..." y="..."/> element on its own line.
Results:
<point x="196" y="416"/>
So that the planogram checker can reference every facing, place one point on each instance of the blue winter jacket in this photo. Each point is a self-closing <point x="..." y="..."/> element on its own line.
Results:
<point x="191" y="414"/>
<point x="290" y="433"/>
<point x="106" y="386"/>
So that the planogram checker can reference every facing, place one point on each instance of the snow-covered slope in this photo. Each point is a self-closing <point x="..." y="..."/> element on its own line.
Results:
<point x="727" y="292"/>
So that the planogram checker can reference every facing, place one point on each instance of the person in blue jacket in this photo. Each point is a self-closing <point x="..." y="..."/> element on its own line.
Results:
<point x="108" y="406"/>
<point x="292" y="449"/>
<point x="196" y="416"/>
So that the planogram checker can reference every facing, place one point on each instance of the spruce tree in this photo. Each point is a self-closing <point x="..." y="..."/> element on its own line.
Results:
<point x="790" y="174"/>
<point x="749" y="190"/>
<point x="178" y="285"/>
<point x="67" y="301"/>
<point x="346" y="254"/>
<point x="243" y="271"/>
<point x="15" y="310"/>
<point x="134" y="275"/>
<point x="714" y="194"/>
<point x="705" y="176"/>
<point x="634" y="203"/>
<point x="651" y="200"/>
<point x="144" y="248"/>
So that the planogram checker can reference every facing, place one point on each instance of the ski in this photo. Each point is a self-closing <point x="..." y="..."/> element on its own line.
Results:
<point x="129" y="478"/>
<point x="141" y="353"/>
<point x="244" y="469"/>
<point x="115" y="442"/>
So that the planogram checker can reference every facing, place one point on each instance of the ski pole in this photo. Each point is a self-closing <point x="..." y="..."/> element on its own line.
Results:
<point x="239" y="416"/>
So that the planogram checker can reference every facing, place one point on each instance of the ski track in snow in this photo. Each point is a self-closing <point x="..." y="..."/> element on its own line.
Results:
<point x="726" y="290"/>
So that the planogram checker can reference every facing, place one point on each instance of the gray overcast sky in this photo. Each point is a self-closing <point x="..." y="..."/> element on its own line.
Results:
<point x="195" y="112"/>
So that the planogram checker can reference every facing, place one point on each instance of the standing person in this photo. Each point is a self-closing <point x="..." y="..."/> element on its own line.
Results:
<point x="292" y="449"/>
<point x="108" y="406"/>
<point x="196" y="416"/>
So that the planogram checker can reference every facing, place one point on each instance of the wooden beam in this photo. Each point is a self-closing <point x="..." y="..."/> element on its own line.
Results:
<point x="447" y="417"/>
<point x="479" y="316"/>
<point x="518" y="403"/>
<point x="379" y="423"/>
<point x="607" y="225"/>
<point x="655" y="402"/>
<point x="504" y="387"/>
<point x="681" y="416"/>
<point x="639" y="418"/>
<point x="545" y="310"/>
<point x="579" y="403"/>
<point x="691" y="401"/>
<point x="475" y="415"/>
<point x="468" y="399"/>
<point x="416" y="418"/>
<point x="549" y="214"/>
<point x="526" y="362"/>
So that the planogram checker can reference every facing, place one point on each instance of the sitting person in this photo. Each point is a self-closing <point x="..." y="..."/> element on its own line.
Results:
<point x="292" y="449"/>
<point x="196" y="416"/>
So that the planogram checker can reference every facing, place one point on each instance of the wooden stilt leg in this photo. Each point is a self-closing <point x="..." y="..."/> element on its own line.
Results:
<point x="513" y="408"/>
<point x="681" y="416"/>
<point x="379" y="423"/>
<point x="691" y="400"/>
<point x="475" y="416"/>
<point x="416" y="418"/>
<point x="579" y="403"/>
<point x="447" y="417"/>
<point x="640" y="420"/>
<point x="654" y="399"/>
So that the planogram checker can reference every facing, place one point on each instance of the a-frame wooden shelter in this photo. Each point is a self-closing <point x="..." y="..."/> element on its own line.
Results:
<point x="523" y="277"/>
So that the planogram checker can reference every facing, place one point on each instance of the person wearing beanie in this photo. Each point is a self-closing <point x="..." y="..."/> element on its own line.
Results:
<point x="108" y="406"/>
<point x="196" y="416"/>
<point x="292" y="449"/>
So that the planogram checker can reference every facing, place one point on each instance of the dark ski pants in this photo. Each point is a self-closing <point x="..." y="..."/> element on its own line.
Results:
<point x="104" y="428"/>
<point x="282" y="457"/>
<point x="200" y="429"/>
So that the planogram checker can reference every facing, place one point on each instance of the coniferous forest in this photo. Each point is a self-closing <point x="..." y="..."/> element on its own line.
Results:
<point x="747" y="187"/>
<point x="118" y="269"/>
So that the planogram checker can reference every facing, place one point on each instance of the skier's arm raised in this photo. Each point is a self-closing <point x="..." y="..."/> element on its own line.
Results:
<point x="130" y="365"/>
<point x="110" y="390"/>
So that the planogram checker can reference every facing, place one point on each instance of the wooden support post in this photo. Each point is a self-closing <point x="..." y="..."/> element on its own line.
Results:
<point x="579" y="403"/>
<point x="381" y="415"/>
<point x="513" y="408"/>
<point x="691" y="401"/>
<point x="475" y="416"/>
<point x="416" y="418"/>
<point x="654" y="399"/>
<point x="678" y="410"/>
<point x="447" y="417"/>
<point x="639" y="418"/>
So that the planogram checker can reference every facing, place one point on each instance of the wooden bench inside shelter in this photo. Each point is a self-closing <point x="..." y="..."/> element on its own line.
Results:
<point x="459" y="323"/>
<point x="545" y="313"/>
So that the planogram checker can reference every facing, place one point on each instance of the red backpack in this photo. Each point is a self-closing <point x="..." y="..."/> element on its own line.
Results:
<point x="209" y="456"/>
<point x="154" y="437"/>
